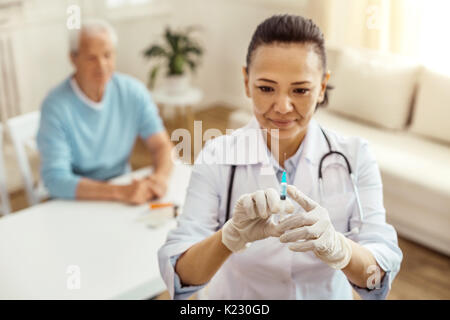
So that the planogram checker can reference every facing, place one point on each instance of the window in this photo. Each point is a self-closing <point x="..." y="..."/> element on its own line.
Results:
<point x="124" y="3"/>
<point x="434" y="49"/>
<point x="131" y="9"/>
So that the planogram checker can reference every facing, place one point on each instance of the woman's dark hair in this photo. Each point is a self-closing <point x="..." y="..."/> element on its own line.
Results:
<point x="290" y="29"/>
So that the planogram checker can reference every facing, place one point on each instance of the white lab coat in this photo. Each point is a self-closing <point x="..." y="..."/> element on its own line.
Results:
<point x="267" y="269"/>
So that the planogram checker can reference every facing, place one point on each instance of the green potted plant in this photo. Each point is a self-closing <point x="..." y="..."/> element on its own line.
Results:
<point x="179" y="52"/>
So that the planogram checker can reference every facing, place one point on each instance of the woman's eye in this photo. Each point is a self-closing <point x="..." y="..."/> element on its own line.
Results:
<point x="301" y="91"/>
<point x="265" y="89"/>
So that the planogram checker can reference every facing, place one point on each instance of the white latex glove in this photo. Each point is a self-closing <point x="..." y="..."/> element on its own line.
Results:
<point x="315" y="228"/>
<point x="251" y="219"/>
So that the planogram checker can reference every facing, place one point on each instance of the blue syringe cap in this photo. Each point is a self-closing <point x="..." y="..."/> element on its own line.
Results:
<point x="283" y="177"/>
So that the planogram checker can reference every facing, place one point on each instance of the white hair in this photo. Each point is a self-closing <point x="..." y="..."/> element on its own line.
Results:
<point x="91" y="27"/>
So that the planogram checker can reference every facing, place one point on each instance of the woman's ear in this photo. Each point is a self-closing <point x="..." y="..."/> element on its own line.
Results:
<point x="245" y="73"/>
<point x="323" y="86"/>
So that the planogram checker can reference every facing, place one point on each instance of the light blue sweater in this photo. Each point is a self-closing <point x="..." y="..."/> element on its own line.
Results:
<point x="76" y="140"/>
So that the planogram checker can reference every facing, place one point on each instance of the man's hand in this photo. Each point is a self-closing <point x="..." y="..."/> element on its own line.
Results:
<point x="313" y="230"/>
<point x="138" y="192"/>
<point x="144" y="190"/>
<point x="157" y="184"/>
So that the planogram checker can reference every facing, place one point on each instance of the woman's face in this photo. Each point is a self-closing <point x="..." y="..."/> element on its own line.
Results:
<point x="285" y="83"/>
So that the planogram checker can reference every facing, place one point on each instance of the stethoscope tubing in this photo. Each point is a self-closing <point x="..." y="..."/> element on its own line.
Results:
<point x="352" y="178"/>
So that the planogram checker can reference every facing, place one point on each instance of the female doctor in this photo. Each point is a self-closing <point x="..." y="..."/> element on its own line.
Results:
<point x="333" y="238"/>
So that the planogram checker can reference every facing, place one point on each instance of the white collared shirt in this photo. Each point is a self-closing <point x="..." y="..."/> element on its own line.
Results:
<point x="290" y="165"/>
<point x="80" y="94"/>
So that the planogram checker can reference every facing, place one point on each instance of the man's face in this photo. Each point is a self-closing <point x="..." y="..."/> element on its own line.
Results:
<point x="95" y="60"/>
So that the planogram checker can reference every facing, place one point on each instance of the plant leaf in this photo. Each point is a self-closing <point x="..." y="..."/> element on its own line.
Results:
<point x="197" y="50"/>
<point x="152" y="77"/>
<point x="180" y="49"/>
<point x="155" y="51"/>
<point x="192" y="64"/>
<point x="173" y="40"/>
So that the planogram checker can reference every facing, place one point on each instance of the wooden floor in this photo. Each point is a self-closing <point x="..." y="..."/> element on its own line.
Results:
<point x="424" y="274"/>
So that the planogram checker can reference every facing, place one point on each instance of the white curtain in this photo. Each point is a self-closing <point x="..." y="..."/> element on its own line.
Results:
<point x="415" y="28"/>
<point x="385" y="25"/>
<point x="9" y="94"/>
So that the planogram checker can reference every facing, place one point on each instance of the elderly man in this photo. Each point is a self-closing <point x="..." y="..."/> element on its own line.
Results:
<point x="89" y="124"/>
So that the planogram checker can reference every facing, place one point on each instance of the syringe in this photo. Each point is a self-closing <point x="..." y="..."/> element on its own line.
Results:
<point x="283" y="195"/>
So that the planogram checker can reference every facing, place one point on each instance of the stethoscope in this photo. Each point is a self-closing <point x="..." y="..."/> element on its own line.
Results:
<point x="354" y="230"/>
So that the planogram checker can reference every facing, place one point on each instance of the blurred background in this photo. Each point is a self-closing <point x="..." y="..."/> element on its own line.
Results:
<point x="389" y="65"/>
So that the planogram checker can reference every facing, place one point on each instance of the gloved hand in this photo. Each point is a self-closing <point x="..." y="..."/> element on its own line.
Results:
<point x="315" y="228"/>
<point x="251" y="219"/>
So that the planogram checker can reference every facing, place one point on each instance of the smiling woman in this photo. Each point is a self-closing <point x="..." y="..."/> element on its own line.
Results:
<point x="310" y="254"/>
<point x="286" y="77"/>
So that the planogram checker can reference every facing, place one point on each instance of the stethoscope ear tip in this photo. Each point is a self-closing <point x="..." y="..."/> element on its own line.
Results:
<point x="355" y="230"/>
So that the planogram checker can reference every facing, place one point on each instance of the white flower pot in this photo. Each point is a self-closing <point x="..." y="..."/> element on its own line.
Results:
<point x="176" y="84"/>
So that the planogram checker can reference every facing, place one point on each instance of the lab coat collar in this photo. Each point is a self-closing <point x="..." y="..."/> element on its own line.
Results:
<point x="247" y="145"/>
<point x="315" y="144"/>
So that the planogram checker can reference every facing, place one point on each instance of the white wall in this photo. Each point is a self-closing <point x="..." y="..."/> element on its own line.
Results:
<point x="40" y="50"/>
<point x="227" y="29"/>
<point x="41" y="47"/>
<point x="234" y="23"/>
<point x="38" y="67"/>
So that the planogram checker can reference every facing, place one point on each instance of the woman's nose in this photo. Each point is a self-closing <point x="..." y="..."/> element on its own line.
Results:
<point x="283" y="104"/>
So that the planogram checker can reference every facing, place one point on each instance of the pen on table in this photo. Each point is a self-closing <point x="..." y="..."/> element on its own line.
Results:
<point x="149" y="215"/>
<point x="157" y="205"/>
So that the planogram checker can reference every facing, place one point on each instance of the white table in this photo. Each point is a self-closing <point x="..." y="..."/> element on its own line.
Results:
<point x="181" y="102"/>
<point x="115" y="251"/>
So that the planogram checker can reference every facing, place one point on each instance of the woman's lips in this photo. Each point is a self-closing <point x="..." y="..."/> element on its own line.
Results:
<point x="282" y="123"/>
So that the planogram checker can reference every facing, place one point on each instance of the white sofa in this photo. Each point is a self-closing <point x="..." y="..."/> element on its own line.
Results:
<point x="403" y="110"/>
